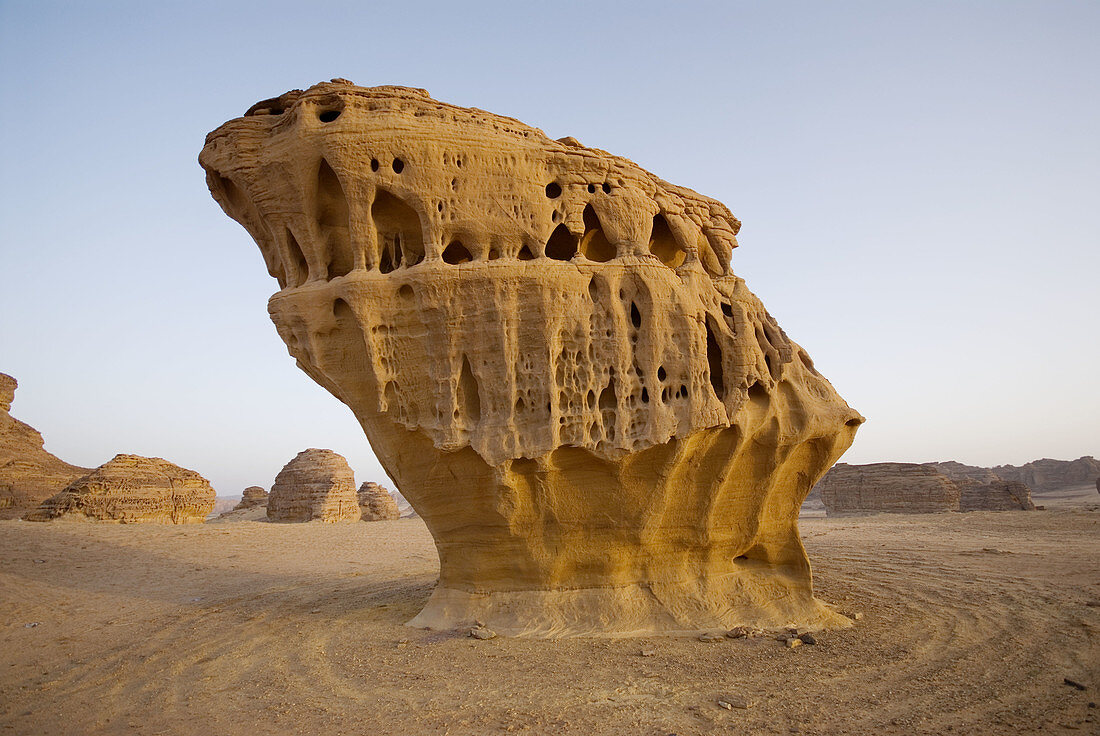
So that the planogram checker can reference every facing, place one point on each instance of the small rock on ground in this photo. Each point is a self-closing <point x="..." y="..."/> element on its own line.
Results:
<point x="740" y="702"/>
<point x="711" y="638"/>
<point x="794" y="642"/>
<point x="480" y="632"/>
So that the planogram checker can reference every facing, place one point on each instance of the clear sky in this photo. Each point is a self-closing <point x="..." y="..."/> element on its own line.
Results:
<point x="919" y="184"/>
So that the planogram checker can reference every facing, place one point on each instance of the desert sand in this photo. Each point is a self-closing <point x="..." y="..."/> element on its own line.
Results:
<point x="970" y="624"/>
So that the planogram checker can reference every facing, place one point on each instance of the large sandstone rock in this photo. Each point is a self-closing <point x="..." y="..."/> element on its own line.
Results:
<point x="252" y="497"/>
<point x="376" y="503"/>
<point x="1053" y="475"/>
<point x="131" y="488"/>
<point x="28" y="474"/>
<point x="997" y="495"/>
<point x="601" y="426"/>
<point x="317" y="485"/>
<point x="903" y="488"/>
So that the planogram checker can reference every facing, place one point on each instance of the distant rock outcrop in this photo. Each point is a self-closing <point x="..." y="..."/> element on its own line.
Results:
<point x="970" y="473"/>
<point x="1052" y="475"/>
<point x="28" y="474"/>
<point x="252" y="497"/>
<point x="906" y="488"/>
<point x="131" y="488"/>
<point x="376" y="503"/>
<point x="317" y="485"/>
<point x="998" y="495"/>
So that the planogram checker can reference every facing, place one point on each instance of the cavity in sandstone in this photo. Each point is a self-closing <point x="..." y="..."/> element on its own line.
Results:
<point x="376" y="503"/>
<point x="317" y="485"/>
<point x="131" y="488"/>
<point x="28" y="474"/>
<point x="602" y="427"/>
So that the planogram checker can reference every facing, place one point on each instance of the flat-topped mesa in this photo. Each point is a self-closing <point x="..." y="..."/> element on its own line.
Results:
<point x="129" y="489"/>
<point x="317" y="485"/>
<point x="603" y="429"/>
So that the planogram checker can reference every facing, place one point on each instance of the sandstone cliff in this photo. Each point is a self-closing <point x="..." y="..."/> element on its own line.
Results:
<point x="130" y="488"/>
<point x="252" y="497"/>
<point x="997" y="495"/>
<point x="602" y="427"/>
<point x="1052" y="475"/>
<point x="28" y="474"/>
<point x="958" y="472"/>
<point x="376" y="503"/>
<point x="905" y="488"/>
<point x="317" y="485"/>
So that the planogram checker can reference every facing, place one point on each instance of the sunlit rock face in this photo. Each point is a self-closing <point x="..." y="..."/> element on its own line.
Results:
<point x="603" y="429"/>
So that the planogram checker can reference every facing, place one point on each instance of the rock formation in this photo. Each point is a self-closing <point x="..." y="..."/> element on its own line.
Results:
<point x="376" y="503"/>
<point x="317" y="485"/>
<point x="907" y="488"/>
<point x="904" y="488"/>
<point x="130" y="488"/>
<point x="601" y="426"/>
<point x="252" y="497"/>
<point x="997" y="495"/>
<point x="1052" y="475"/>
<point x="28" y="474"/>
<point x="958" y="472"/>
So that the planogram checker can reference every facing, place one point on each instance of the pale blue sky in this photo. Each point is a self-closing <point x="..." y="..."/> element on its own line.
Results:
<point x="919" y="184"/>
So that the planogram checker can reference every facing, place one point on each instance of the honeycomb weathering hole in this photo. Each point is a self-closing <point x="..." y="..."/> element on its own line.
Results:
<point x="552" y="397"/>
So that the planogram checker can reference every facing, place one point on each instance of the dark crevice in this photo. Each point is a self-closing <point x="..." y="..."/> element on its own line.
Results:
<point x="562" y="245"/>
<point x="714" y="360"/>
<point x="333" y="221"/>
<point x="456" y="253"/>
<point x="594" y="244"/>
<point x="398" y="234"/>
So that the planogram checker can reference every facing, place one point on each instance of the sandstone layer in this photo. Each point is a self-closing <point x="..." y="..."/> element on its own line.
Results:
<point x="905" y="488"/>
<point x="997" y="495"/>
<point x="28" y="474"/>
<point x="376" y="503"/>
<point x="252" y="497"/>
<point x="959" y="473"/>
<point x="602" y="427"/>
<point x="317" y="485"/>
<point x="131" y="488"/>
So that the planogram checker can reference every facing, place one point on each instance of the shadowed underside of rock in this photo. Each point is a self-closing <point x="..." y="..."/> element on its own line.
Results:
<point x="131" y="488"/>
<point x="603" y="428"/>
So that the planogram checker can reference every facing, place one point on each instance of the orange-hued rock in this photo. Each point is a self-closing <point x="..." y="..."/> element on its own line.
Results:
<point x="317" y="485"/>
<point x="603" y="428"/>
<point x="28" y="474"/>
<point x="131" y="488"/>
<point x="252" y="497"/>
<point x="376" y="503"/>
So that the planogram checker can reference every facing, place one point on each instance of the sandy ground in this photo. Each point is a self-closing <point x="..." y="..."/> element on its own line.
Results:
<point x="970" y="623"/>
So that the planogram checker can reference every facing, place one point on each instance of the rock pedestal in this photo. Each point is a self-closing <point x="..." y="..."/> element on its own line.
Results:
<point x="131" y="488"/>
<point x="602" y="427"/>
<point x="317" y="485"/>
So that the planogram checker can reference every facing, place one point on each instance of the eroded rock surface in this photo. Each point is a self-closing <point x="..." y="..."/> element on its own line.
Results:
<point x="28" y="474"/>
<point x="252" y="497"/>
<point x="376" y="503"/>
<point x="602" y="427"/>
<point x="997" y="495"/>
<point x="131" y="488"/>
<point x="317" y="485"/>
<point x="904" y="488"/>
<point x="959" y="473"/>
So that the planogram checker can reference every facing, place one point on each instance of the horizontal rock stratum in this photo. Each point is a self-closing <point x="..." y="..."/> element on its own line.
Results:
<point x="602" y="427"/>
<point x="131" y="488"/>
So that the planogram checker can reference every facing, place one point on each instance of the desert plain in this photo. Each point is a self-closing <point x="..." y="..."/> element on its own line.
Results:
<point x="970" y="624"/>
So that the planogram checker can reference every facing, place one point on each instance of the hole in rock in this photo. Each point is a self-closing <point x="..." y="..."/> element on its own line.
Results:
<point x="456" y="253"/>
<point x="645" y="395"/>
<point x="398" y="234"/>
<point x="607" y="396"/>
<point x="594" y="244"/>
<point x="553" y="190"/>
<point x="662" y="243"/>
<point x="757" y="392"/>
<point x="398" y="166"/>
<point x="591" y="188"/>
<point x="593" y="289"/>
<point x="327" y="116"/>
<point x="561" y="246"/>
<point x="333" y="219"/>
<point x="341" y="311"/>
<point x="727" y="309"/>
<point x="471" y="396"/>
<point x="590" y="399"/>
<point x="525" y="254"/>
<point x="714" y="360"/>
<point x="635" y="316"/>
<point x="853" y="422"/>
<point x="683" y="390"/>
<point x="606" y="188"/>
<point x="405" y="292"/>
<point x="439" y="207"/>
<point x="298" y="259"/>
<point x="374" y="164"/>
<point x="520" y="405"/>
<point x="661" y="375"/>
<point x="524" y="465"/>
<point x="494" y="253"/>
